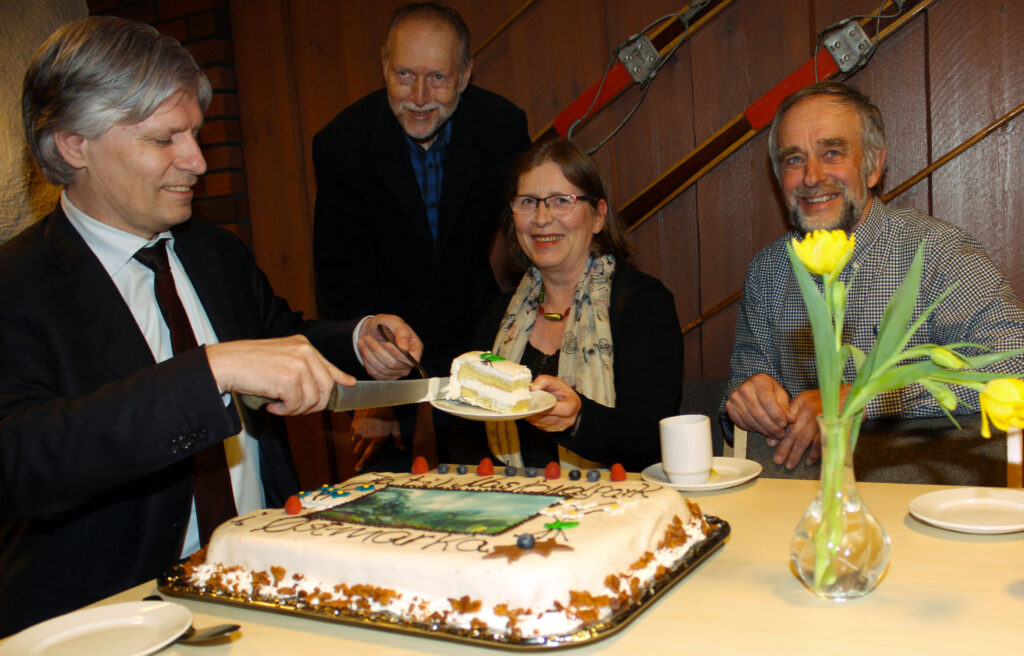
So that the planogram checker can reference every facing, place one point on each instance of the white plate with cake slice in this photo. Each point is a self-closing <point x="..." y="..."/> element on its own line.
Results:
<point x="133" y="629"/>
<point x="725" y="473"/>
<point x="540" y="401"/>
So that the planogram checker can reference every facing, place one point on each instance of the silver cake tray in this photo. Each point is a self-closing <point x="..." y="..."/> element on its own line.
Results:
<point x="172" y="582"/>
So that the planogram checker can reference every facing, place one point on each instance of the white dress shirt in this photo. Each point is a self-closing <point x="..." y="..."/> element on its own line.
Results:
<point x="115" y="250"/>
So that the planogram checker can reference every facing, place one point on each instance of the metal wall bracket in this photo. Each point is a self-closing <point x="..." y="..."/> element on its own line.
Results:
<point x="848" y="45"/>
<point x="639" y="58"/>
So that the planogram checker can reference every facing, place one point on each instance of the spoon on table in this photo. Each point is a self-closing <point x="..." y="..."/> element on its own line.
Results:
<point x="389" y="336"/>
<point x="192" y="636"/>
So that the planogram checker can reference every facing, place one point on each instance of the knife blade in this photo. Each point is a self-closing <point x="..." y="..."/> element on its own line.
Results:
<point x="372" y="394"/>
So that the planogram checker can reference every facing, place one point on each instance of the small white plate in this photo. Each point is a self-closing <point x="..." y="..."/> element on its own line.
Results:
<point x="725" y="472"/>
<point x="981" y="510"/>
<point x="539" y="402"/>
<point x="134" y="628"/>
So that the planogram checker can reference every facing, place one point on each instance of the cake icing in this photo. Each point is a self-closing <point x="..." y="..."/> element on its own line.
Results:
<point x="490" y="381"/>
<point x="513" y="556"/>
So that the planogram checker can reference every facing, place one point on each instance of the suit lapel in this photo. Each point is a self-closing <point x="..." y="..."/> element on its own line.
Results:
<point x="460" y="163"/>
<point x="93" y="300"/>
<point x="391" y="159"/>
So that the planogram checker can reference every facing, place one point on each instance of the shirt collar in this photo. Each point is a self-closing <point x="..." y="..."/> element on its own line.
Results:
<point x="113" y="247"/>
<point x="868" y="231"/>
<point x="444" y="135"/>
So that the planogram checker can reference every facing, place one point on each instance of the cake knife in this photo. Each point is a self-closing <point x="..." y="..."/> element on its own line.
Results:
<point x="372" y="394"/>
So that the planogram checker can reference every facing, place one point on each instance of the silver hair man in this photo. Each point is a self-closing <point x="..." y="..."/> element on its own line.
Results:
<point x="872" y="126"/>
<point x="96" y="73"/>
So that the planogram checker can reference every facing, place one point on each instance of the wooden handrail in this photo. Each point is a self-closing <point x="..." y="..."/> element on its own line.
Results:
<point x="501" y="28"/>
<point x="926" y="171"/>
<point x="617" y="79"/>
<point x="886" y="197"/>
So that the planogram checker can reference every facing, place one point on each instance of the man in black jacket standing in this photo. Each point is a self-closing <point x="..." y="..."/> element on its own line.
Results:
<point x="410" y="189"/>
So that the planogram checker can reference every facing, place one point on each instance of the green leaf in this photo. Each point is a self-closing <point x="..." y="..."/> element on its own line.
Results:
<point x="857" y="355"/>
<point x="927" y="312"/>
<point x="885" y="381"/>
<point x="822" y="329"/>
<point x="893" y="333"/>
<point x="848" y="352"/>
<point x="941" y="393"/>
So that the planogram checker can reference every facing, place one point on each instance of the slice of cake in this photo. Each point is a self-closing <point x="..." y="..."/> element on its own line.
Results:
<point x="506" y="557"/>
<point x="491" y="382"/>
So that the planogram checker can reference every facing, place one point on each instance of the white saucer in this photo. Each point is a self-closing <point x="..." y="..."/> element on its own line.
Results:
<point x="981" y="510"/>
<point x="539" y="402"/>
<point x="725" y="472"/>
<point x="134" y="628"/>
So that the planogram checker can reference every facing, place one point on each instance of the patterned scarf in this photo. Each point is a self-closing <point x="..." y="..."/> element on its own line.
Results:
<point x="586" y="359"/>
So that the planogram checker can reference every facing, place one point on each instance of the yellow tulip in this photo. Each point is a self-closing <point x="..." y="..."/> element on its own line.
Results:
<point x="1002" y="401"/>
<point x="825" y="252"/>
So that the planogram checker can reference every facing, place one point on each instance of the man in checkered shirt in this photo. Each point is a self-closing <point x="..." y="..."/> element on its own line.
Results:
<point x="828" y="149"/>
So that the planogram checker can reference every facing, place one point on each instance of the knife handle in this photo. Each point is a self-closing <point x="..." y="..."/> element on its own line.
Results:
<point x="254" y="402"/>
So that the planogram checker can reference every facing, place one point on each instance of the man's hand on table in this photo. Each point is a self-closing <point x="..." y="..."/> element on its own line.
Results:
<point x="760" y="401"/>
<point x="802" y="434"/>
<point x="761" y="405"/>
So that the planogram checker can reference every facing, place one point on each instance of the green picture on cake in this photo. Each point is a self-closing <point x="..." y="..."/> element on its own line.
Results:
<point x="444" y="511"/>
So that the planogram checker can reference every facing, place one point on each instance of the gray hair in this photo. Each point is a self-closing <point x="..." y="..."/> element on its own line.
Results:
<point x="872" y="126"/>
<point x="430" y="11"/>
<point x="98" y="72"/>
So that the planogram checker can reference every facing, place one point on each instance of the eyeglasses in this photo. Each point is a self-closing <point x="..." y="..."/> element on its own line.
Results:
<point x="557" y="204"/>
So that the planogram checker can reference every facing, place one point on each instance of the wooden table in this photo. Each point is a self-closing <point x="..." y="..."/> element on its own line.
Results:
<point x="944" y="593"/>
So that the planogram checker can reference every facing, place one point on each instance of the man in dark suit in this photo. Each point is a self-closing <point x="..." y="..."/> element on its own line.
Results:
<point x="410" y="188"/>
<point x="125" y="329"/>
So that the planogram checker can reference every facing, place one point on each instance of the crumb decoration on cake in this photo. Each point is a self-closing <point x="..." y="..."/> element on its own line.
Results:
<point x="496" y="554"/>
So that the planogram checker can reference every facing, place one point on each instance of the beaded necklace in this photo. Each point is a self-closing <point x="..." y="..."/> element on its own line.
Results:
<point x="550" y="316"/>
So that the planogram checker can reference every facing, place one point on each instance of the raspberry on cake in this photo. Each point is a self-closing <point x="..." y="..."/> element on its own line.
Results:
<point x="490" y="381"/>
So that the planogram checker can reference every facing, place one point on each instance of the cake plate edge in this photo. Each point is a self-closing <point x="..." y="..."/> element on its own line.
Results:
<point x="172" y="582"/>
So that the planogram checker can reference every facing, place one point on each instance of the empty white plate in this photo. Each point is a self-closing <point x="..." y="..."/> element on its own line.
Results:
<point x="972" y="509"/>
<point x="133" y="628"/>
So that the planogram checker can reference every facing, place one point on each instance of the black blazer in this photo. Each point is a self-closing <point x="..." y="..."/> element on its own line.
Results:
<point x="372" y="247"/>
<point x="95" y="437"/>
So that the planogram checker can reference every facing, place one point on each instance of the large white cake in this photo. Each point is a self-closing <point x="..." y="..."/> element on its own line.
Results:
<point x="512" y="556"/>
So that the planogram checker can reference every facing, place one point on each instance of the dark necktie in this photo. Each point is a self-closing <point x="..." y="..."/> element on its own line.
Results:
<point x="215" y="503"/>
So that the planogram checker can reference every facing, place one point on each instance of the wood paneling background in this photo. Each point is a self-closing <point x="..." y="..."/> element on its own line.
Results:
<point x="944" y="76"/>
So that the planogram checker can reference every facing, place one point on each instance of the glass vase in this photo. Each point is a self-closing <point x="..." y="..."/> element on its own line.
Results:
<point x="839" y="550"/>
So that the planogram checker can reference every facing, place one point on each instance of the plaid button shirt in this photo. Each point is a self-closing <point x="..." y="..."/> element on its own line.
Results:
<point x="428" y="165"/>
<point x="773" y="335"/>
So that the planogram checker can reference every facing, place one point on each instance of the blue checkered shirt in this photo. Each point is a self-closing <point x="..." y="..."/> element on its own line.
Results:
<point x="428" y="165"/>
<point x="773" y="335"/>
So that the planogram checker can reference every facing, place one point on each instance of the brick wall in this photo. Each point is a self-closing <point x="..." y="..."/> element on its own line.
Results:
<point x="204" y="27"/>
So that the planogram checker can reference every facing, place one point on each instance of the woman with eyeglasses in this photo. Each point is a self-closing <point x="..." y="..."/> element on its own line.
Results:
<point x="599" y="335"/>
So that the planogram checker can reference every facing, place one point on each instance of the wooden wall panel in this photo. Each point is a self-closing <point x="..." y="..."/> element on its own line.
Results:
<point x="739" y="57"/>
<point x="977" y="75"/>
<point x="274" y="151"/>
<point x="666" y="246"/>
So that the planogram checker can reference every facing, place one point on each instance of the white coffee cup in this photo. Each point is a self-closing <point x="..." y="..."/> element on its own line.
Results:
<point x="686" y="448"/>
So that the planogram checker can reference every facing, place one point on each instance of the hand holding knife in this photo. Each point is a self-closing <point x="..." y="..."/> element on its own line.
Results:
<point x="377" y="393"/>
